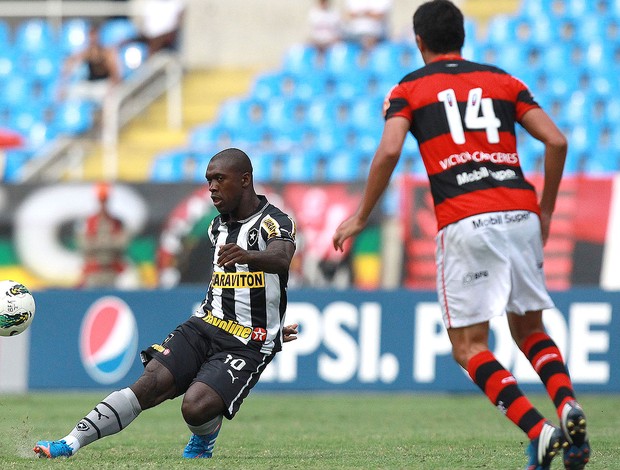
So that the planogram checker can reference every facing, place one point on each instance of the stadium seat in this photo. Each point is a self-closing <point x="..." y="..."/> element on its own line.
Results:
<point x="343" y="58"/>
<point x="117" y="30"/>
<point x="301" y="59"/>
<point x="367" y="114"/>
<point x="347" y="165"/>
<point x="34" y="36"/>
<point x="300" y="166"/>
<point x="501" y="30"/>
<point x="17" y="91"/>
<point x="15" y="159"/>
<point x="73" y="117"/>
<point x="44" y="67"/>
<point x="209" y="136"/>
<point x="7" y="63"/>
<point x="131" y="57"/>
<point x="74" y="35"/>
<point x="263" y="164"/>
<point x="168" y="166"/>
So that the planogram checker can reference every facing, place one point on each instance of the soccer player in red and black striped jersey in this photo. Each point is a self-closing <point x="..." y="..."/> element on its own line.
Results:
<point x="217" y="356"/>
<point x="491" y="225"/>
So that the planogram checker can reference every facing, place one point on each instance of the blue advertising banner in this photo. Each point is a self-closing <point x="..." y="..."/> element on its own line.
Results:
<point x="348" y="340"/>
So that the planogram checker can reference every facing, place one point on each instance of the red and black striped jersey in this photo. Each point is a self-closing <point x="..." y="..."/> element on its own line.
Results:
<point x="463" y="115"/>
<point x="248" y="303"/>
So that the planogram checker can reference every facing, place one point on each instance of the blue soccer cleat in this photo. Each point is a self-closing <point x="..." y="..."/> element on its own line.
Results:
<point x="546" y="446"/>
<point x="577" y="449"/>
<point x="52" y="449"/>
<point x="200" y="447"/>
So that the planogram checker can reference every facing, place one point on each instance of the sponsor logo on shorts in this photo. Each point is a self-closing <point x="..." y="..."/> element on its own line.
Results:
<point x="470" y="278"/>
<point x="500" y="219"/>
<point x="238" y="280"/>
<point x="229" y="326"/>
<point x="161" y="349"/>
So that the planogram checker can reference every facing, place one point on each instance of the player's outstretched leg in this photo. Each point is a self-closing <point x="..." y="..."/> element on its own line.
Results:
<point x="111" y="415"/>
<point x="200" y="445"/>
<point x="547" y="361"/>
<point x="543" y="448"/>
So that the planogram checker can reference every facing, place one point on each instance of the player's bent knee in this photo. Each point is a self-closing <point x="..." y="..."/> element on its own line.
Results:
<point x="155" y="385"/>
<point x="201" y="404"/>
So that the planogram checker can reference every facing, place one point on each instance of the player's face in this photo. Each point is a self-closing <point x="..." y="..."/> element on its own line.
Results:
<point x="226" y="186"/>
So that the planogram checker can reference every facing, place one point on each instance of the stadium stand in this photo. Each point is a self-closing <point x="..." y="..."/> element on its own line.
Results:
<point x="32" y="54"/>
<point x="567" y="51"/>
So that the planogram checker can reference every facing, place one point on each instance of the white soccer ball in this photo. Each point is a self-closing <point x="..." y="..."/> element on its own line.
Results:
<point x="16" y="308"/>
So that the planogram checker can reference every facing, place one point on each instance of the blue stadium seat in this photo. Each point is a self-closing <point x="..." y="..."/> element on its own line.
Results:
<point x="348" y="165"/>
<point x="598" y="55"/>
<point x="34" y="35"/>
<point x="207" y="137"/>
<point x="367" y="114"/>
<point x="15" y="161"/>
<point x="168" y="166"/>
<point x="17" y="91"/>
<point x="385" y="59"/>
<point x="44" y="67"/>
<point x="131" y="57"/>
<point x="343" y="58"/>
<point x="301" y="59"/>
<point x="501" y="29"/>
<point x="238" y="112"/>
<point x="8" y="63"/>
<point x="73" y="117"/>
<point x="510" y="57"/>
<point x="74" y="35"/>
<point x="117" y="30"/>
<point x="263" y="166"/>
<point x="301" y="166"/>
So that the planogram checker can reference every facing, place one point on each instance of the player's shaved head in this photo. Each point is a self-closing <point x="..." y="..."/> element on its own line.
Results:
<point x="234" y="159"/>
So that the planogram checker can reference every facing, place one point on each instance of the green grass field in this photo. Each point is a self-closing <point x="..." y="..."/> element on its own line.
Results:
<point x="282" y="431"/>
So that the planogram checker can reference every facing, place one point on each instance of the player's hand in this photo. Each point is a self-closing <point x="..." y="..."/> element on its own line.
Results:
<point x="347" y="229"/>
<point x="545" y="225"/>
<point x="230" y="254"/>
<point x="289" y="332"/>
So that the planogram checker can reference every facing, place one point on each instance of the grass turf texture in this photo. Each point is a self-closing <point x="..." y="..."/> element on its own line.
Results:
<point x="282" y="431"/>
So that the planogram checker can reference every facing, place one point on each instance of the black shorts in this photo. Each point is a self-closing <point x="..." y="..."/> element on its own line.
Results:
<point x="198" y="352"/>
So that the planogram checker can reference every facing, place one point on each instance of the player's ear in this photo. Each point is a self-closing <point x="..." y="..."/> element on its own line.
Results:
<point x="420" y="43"/>
<point x="246" y="179"/>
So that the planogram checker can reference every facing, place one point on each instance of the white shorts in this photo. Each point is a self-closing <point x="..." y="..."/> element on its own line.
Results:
<point x="489" y="264"/>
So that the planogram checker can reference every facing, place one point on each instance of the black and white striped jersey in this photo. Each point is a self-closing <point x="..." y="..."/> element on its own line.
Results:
<point x="249" y="304"/>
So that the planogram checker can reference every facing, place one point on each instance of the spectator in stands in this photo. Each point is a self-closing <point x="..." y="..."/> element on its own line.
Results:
<point x="103" y="240"/>
<point x="159" y="23"/>
<point x="325" y="25"/>
<point x="367" y="21"/>
<point x="103" y="71"/>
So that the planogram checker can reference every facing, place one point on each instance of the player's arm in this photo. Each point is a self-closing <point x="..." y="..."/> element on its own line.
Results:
<point x="276" y="258"/>
<point x="542" y="127"/>
<point x="383" y="163"/>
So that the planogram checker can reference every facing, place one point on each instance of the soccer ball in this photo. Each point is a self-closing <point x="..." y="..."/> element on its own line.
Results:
<point x="16" y="308"/>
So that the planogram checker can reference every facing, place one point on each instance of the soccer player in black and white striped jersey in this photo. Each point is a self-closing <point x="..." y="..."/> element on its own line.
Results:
<point x="219" y="353"/>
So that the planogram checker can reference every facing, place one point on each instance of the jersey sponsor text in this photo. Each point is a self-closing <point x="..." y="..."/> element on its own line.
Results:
<point x="242" y="280"/>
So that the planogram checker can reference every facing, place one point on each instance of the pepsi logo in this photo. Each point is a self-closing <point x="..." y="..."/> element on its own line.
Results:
<point x="108" y="340"/>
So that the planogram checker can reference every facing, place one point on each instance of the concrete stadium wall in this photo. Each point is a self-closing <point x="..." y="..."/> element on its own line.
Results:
<point x="255" y="33"/>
